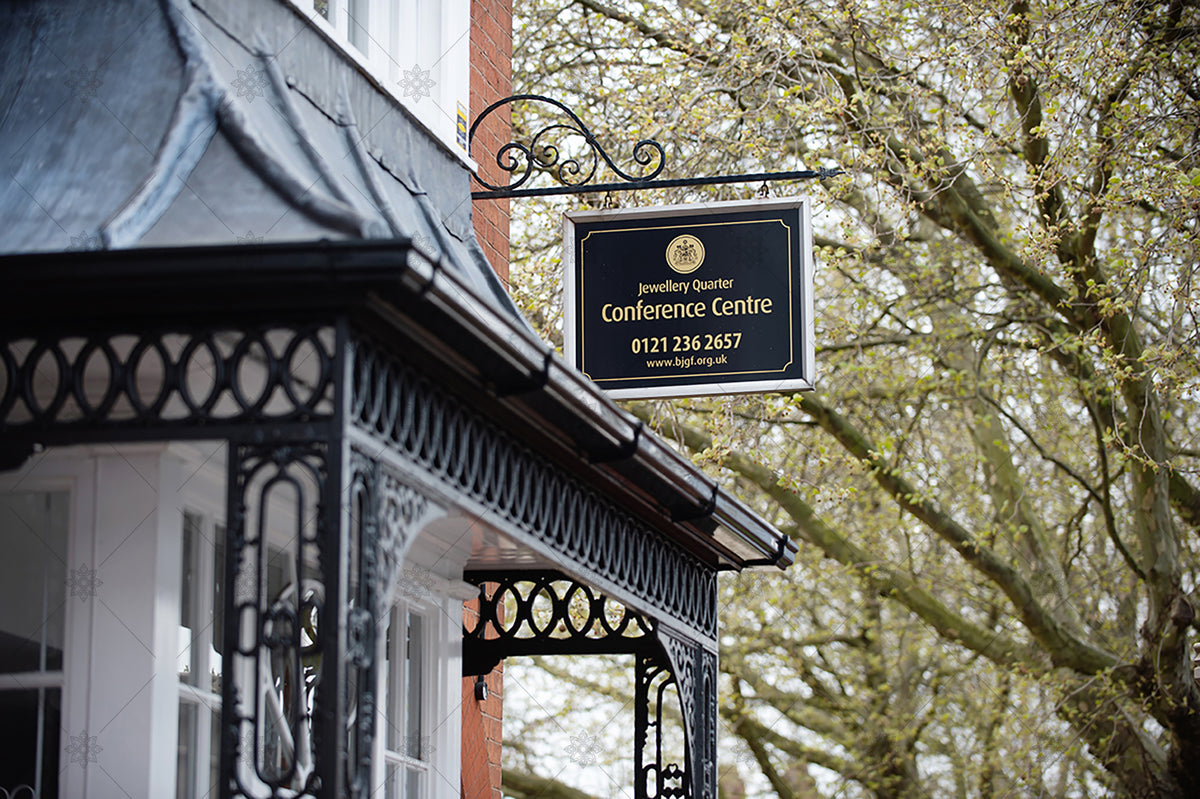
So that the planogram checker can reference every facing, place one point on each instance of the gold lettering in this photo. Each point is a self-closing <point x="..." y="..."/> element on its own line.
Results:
<point x="722" y="283"/>
<point x="641" y="312"/>
<point x="748" y="306"/>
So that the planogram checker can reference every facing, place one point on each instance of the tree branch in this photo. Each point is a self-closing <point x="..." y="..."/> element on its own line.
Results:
<point x="527" y="785"/>
<point x="884" y="576"/>
<point x="1063" y="648"/>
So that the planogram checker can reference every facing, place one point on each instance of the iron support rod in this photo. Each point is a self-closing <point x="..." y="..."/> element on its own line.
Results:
<point x="803" y="174"/>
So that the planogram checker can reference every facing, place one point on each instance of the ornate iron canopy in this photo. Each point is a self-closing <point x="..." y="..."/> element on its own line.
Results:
<point x="387" y="386"/>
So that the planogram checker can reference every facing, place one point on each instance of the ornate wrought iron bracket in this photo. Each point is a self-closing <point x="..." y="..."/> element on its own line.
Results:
<point x="548" y="613"/>
<point x="539" y="612"/>
<point x="575" y="174"/>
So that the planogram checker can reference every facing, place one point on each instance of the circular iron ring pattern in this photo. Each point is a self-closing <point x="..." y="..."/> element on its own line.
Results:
<point x="176" y="377"/>
<point x="551" y="605"/>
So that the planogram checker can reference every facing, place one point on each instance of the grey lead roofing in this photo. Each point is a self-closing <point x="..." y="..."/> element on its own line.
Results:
<point x="145" y="123"/>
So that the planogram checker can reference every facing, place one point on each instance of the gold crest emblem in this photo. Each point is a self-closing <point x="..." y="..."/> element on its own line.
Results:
<point x="685" y="254"/>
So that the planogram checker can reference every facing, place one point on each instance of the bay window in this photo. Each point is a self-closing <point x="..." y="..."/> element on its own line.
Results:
<point x="200" y="637"/>
<point x="33" y="596"/>
<point x="405" y="721"/>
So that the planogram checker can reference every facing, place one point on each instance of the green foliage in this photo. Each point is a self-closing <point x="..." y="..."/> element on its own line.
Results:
<point x="994" y="485"/>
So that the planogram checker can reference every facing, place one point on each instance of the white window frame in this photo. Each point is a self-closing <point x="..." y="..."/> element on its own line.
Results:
<point x="205" y="701"/>
<point x="428" y="74"/>
<point x="404" y="759"/>
<point x="75" y="476"/>
<point x="439" y="602"/>
<point x="44" y="679"/>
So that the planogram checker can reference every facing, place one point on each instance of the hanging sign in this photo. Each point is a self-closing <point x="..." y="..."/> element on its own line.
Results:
<point x="691" y="300"/>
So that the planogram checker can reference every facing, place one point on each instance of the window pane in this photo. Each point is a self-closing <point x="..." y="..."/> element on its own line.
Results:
<point x="189" y="642"/>
<point x="29" y="741"/>
<point x="414" y="787"/>
<point x="202" y="570"/>
<point x="430" y="45"/>
<point x="185" y="767"/>
<point x="214" y="752"/>
<point x="394" y="775"/>
<point x="194" y="777"/>
<point x="217" y="639"/>
<point x="33" y="580"/>
<point x="358" y="24"/>
<point x="389" y="689"/>
<point x="416" y="689"/>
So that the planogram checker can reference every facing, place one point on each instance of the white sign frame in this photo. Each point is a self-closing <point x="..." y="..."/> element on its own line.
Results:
<point x="681" y="216"/>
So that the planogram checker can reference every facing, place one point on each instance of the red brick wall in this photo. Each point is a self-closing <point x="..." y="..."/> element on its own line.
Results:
<point x="491" y="79"/>
<point x="481" y="728"/>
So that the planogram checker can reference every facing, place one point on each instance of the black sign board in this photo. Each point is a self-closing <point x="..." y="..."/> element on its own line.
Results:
<point x="692" y="300"/>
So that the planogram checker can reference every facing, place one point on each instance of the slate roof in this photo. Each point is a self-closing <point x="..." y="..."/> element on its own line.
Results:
<point x="144" y="123"/>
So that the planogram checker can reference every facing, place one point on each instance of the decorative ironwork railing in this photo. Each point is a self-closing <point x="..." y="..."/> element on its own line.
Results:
<point x="170" y="378"/>
<point x="419" y="421"/>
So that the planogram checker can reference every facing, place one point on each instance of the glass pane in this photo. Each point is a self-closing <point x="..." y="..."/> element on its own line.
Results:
<point x="194" y="777"/>
<point x="391" y="688"/>
<point x="29" y="742"/>
<point x="414" y="787"/>
<point x="358" y="24"/>
<point x="188" y="622"/>
<point x="430" y="46"/>
<point x="33" y="580"/>
<point x="322" y="7"/>
<point x="185" y="764"/>
<point x="217" y="609"/>
<point x="214" y="753"/>
<point x="415" y="686"/>
<point x="392" y="786"/>
<point x="202" y="570"/>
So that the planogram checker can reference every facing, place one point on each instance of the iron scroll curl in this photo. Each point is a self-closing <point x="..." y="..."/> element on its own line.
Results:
<point x="543" y="150"/>
<point x="574" y="177"/>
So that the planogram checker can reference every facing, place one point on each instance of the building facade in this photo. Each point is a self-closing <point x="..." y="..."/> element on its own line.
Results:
<point x="269" y="423"/>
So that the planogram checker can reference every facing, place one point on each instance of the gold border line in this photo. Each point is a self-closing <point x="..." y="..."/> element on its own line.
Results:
<point x="583" y="318"/>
